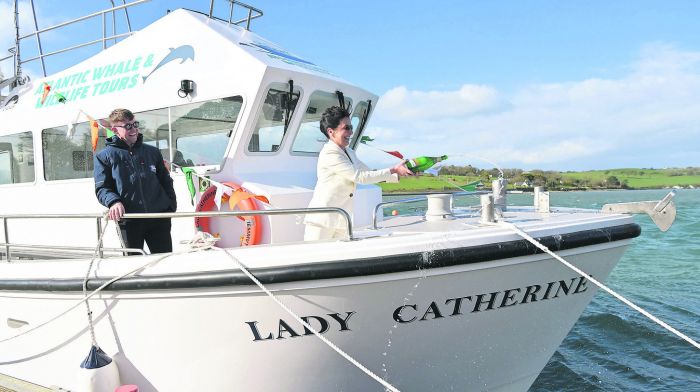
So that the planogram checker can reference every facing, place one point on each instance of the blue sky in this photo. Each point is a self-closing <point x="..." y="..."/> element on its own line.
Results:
<point x="564" y="85"/>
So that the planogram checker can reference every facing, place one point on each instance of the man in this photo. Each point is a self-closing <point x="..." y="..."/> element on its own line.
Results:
<point x="130" y="177"/>
<point x="339" y="171"/>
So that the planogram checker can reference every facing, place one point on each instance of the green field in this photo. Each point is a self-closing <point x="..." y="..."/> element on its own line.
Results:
<point x="428" y="183"/>
<point x="593" y="179"/>
<point x="639" y="178"/>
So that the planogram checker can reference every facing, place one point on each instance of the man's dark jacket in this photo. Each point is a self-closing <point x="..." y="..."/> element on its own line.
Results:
<point x="135" y="176"/>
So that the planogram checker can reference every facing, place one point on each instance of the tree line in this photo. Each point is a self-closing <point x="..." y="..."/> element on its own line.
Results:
<point x="553" y="179"/>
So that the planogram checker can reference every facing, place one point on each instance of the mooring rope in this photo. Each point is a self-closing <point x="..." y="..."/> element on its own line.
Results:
<point x="599" y="284"/>
<point x="337" y="349"/>
<point x="87" y="276"/>
<point x="201" y="241"/>
<point x="195" y="244"/>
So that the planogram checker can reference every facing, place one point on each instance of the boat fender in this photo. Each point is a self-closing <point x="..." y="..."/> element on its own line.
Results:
<point x="253" y="224"/>
<point x="98" y="373"/>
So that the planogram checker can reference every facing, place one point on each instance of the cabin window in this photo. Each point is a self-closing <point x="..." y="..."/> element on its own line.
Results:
<point x="277" y="110"/>
<point x="201" y="131"/>
<point x="309" y="138"/>
<point x="153" y="125"/>
<point x="69" y="156"/>
<point x="359" y="115"/>
<point x="200" y="134"/>
<point x="16" y="158"/>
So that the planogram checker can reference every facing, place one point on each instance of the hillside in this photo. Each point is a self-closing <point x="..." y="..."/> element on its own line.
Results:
<point x="452" y="177"/>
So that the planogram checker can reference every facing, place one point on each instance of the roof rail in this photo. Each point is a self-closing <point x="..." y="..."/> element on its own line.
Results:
<point x="15" y="53"/>
<point x="250" y="16"/>
<point x="18" y="79"/>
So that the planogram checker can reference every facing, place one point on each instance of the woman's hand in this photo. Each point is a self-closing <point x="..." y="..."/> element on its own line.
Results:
<point x="401" y="169"/>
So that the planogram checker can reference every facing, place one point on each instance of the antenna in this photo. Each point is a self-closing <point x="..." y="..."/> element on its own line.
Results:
<point x="18" y="63"/>
<point x="38" y="40"/>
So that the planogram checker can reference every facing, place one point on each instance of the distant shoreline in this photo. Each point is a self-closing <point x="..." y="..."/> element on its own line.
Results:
<point x="453" y="178"/>
<point x="527" y="190"/>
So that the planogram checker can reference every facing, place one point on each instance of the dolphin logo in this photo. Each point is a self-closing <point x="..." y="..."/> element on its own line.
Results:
<point x="182" y="53"/>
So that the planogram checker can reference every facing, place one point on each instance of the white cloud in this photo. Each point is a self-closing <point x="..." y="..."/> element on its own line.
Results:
<point x="400" y="103"/>
<point x="660" y="58"/>
<point x="648" y="117"/>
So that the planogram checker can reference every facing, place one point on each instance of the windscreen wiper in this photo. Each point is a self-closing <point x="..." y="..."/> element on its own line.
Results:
<point x="341" y="98"/>
<point x="288" y="105"/>
<point x="365" y="115"/>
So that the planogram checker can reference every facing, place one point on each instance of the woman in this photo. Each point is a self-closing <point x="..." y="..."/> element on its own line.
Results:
<point x="339" y="171"/>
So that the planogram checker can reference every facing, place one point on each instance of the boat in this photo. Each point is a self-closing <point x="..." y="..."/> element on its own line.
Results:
<point x="453" y="299"/>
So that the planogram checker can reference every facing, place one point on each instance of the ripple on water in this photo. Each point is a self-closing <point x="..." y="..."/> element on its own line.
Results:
<point x="613" y="348"/>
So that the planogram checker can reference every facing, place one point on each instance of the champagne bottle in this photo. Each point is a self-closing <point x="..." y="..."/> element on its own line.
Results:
<point x="423" y="163"/>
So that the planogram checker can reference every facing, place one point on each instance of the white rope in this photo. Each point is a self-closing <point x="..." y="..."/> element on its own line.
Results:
<point x="87" y="276"/>
<point x="99" y="289"/>
<point x="602" y="286"/>
<point x="309" y="327"/>
<point x="200" y="243"/>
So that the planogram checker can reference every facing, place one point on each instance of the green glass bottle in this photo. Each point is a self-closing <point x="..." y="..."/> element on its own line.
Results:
<point x="423" y="163"/>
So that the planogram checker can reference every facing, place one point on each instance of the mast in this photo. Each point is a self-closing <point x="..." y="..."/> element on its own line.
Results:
<point x="18" y="63"/>
<point x="38" y="39"/>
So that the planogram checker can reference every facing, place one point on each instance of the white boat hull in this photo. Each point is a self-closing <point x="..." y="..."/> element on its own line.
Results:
<point x="237" y="338"/>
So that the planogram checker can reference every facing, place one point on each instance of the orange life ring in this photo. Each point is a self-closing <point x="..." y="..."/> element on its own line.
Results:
<point x="253" y="223"/>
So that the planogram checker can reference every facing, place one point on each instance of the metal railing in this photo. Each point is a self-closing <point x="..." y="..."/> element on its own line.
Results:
<point x="422" y="197"/>
<point x="103" y="40"/>
<point x="7" y="245"/>
<point x="247" y="19"/>
<point x="252" y="13"/>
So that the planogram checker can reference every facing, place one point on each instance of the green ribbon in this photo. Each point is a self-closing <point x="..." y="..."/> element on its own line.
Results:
<point x="188" y="171"/>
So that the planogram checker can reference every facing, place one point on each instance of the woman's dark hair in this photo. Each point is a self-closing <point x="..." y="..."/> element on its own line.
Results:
<point x="331" y="118"/>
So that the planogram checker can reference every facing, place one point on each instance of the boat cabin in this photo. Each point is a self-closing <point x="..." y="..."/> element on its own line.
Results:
<point x="210" y="94"/>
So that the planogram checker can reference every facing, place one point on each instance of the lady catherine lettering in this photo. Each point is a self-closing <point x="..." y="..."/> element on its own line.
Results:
<point x="476" y="303"/>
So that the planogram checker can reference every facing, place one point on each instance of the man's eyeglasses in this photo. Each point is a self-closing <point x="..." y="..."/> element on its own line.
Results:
<point x="128" y="126"/>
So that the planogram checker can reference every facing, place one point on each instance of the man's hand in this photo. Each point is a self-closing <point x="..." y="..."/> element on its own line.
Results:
<point x="116" y="211"/>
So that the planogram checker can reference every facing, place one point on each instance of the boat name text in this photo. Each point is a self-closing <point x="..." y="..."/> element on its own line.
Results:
<point x="321" y="324"/>
<point x="451" y="307"/>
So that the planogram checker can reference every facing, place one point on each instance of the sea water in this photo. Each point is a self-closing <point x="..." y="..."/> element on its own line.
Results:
<point x="612" y="347"/>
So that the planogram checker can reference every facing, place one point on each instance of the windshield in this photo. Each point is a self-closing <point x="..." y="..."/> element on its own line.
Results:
<point x="201" y="131"/>
<point x="309" y="138"/>
<point x="358" y="120"/>
<point x="276" y="113"/>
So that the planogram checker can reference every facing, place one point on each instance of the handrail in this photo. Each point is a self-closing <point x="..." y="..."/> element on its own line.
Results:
<point x="99" y="217"/>
<point x="74" y="248"/>
<point x="78" y="46"/>
<point x="250" y="8"/>
<point x="104" y="38"/>
<point x="252" y="13"/>
<point x="63" y="24"/>
<point x="424" y="196"/>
